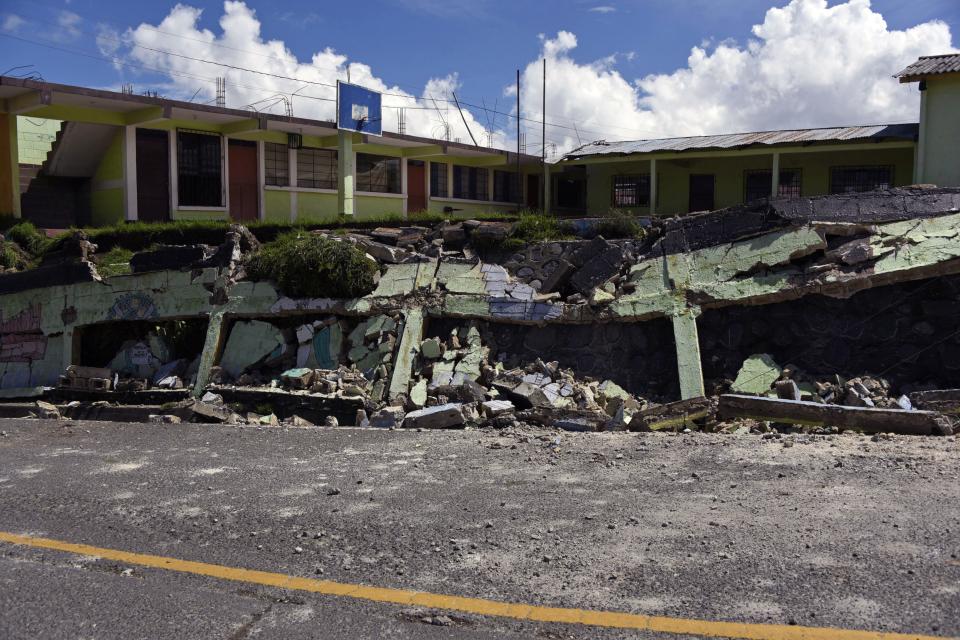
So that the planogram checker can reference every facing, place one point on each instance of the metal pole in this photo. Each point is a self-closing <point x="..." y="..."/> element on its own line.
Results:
<point x="519" y="182"/>
<point x="543" y="151"/>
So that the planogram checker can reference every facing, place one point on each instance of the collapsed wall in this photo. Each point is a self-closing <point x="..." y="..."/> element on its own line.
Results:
<point x="593" y="329"/>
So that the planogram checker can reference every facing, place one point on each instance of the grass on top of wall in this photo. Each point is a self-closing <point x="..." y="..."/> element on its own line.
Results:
<point x="137" y="236"/>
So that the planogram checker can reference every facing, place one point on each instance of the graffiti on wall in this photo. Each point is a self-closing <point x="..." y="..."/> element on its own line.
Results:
<point x="135" y="305"/>
<point x="20" y="337"/>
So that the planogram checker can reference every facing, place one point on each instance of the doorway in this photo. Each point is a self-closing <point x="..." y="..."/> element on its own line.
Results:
<point x="416" y="186"/>
<point x="153" y="175"/>
<point x="701" y="191"/>
<point x="244" y="196"/>
<point x="533" y="191"/>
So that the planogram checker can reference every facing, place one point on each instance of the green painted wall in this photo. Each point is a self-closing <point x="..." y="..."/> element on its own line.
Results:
<point x="35" y="136"/>
<point x="276" y="205"/>
<point x="106" y="198"/>
<point x="316" y="207"/>
<point x="190" y="214"/>
<point x="941" y="132"/>
<point x="729" y="171"/>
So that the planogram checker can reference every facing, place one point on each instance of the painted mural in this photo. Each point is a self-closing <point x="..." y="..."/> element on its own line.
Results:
<point x="21" y="339"/>
<point x="135" y="305"/>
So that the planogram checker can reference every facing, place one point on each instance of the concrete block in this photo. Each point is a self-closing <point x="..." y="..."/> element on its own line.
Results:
<point x="387" y="418"/>
<point x="494" y="408"/>
<point x="440" y="417"/>
<point x="757" y="374"/>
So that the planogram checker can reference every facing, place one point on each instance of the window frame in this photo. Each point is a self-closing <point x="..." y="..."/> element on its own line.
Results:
<point x="891" y="183"/>
<point x="643" y="196"/>
<point x="514" y="186"/>
<point x="329" y="163"/>
<point x="183" y="179"/>
<point x="477" y="190"/>
<point x="438" y="184"/>
<point x="769" y="172"/>
<point x="367" y="187"/>
<point x="270" y="152"/>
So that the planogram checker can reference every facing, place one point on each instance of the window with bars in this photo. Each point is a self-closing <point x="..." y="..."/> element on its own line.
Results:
<point x="316" y="168"/>
<point x="438" y="180"/>
<point x="199" y="169"/>
<point x="858" y="179"/>
<point x="757" y="184"/>
<point x="276" y="164"/>
<point x="378" y="174"/>
<point x="470" y="183"/>
<point x="506" y="186"/>
<point x="631" y="191"/>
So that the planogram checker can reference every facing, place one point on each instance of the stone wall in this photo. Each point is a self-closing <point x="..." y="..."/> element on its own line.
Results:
<point x="904" y="332"/>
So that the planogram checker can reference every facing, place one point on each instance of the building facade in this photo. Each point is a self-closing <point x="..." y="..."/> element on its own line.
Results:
<point x="120" y="157"/>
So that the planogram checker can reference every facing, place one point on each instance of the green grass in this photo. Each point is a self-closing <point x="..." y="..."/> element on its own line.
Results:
<point x="307" y="265"/>
<point x="29" y="238"/>
<point x="620" y="224"/>
<point x="115" y="262"/>
<point x="533" y="226"/>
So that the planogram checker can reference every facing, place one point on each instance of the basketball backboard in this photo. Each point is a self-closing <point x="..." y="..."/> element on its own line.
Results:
<point x="358" y="109"/>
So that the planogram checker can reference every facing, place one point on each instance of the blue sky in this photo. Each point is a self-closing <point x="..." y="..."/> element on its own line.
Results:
<point x="408" y="42"/>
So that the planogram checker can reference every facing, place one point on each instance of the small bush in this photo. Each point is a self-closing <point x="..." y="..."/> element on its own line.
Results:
<point x="538" y="227"/>
<point x="29" y="239"/>
<point x="306" y="265"/>
<point x="11" y="257"/>
<point x="618" y="223"/>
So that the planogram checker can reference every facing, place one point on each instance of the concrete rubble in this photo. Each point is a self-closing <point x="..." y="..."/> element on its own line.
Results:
<point x="454" y="332"/>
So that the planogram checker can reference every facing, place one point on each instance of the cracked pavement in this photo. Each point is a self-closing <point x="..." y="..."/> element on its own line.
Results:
<point x="846" y="531"/>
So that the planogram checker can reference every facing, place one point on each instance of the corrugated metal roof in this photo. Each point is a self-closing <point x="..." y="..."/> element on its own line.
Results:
<point x="738" y="140"/>
<point x="931" y="66"/>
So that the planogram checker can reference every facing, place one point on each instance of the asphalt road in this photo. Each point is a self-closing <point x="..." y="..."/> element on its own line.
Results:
<point x="825" y="531"/>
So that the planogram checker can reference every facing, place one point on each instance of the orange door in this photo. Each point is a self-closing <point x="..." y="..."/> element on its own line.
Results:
<point x="244" y="200"/>
<point x="416" y="186"/>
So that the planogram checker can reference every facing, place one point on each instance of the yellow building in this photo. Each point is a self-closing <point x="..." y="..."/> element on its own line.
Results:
<point x="678" y="175"/>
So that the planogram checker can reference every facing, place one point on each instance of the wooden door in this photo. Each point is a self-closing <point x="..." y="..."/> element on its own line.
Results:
<point x="244" y="196"/>
<point x="416" y="186"/>
<point x="701" y="192"/>
<point x="153" y="175"/>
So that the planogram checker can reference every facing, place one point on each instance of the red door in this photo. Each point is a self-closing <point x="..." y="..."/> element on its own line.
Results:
<point x="244" y="199"/>
<point x="416" y="186"/>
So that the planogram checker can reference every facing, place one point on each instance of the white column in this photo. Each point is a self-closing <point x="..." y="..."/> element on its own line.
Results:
<point x="403" y="185"/>
<point x="449" y="180"/>
<point x="347" y="163"/>
<point x="225" y="180"/>
<point x="261" y="180"/>
<point x="174" y="188"/>
<point x="547" y="188"/>
<point x="489" y="184"/>
<point x="775" y="175"/>
<point x="292" y="172"/>
<point x="426" y="169"/>
<point x="130" y="172"/>
<point x="653" y="186"/>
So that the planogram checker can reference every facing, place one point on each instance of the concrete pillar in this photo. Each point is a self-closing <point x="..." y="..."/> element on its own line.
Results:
<point x="292" y="172"/>
<point x="546" y="188"/>
<point x="688" y="353"/>
<point x="653" y="186"/>
<point x="130" y="173"/>
<point x="775" y="175"/>
<point x="346" y="164"/>
<point x="211" y="349"/>
<point x="403" y="185"/>
<point x="261" y="181"/>
<point x="407" y="353"/>
<point x="9" y="166"/>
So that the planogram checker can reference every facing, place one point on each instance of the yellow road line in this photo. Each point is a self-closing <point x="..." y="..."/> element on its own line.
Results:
<point x="683" y="626"/>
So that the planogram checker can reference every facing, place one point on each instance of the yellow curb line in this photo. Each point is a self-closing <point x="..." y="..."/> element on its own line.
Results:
<point x="476" y="606"/>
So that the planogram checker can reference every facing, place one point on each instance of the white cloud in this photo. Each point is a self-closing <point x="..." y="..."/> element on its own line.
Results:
<point x="603" y="9"/>
<point x="807" y="65"/>
<point x="69" y="23"/>
<point x="241" y="44"/>
<point x="11" y="23"/>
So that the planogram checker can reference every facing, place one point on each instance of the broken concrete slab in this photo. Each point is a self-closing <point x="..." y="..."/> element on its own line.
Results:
<point x="439" y="417"/>
<point x="801" y="412"/>
<point x="673" y="415"/>
<point x="757" y="374"/>
<point x="494" y="408"/>
<point x="250" y="341"/>
<point x="387" y="418"/>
